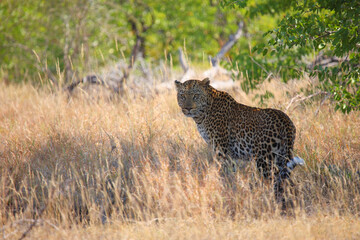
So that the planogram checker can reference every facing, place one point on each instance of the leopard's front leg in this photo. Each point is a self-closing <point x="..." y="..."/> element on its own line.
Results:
<point x="226" y="165"/>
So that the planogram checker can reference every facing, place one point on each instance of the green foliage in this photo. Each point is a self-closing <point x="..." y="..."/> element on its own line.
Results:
<point x="233" y="3"/>
<point x="67" y="37"/>
<point x="263" y="97"/>
<point x="44" y="37"/>
<point x="327" y="26"/>
<point x="261" y="17"/>
<point x="41" y="39"/>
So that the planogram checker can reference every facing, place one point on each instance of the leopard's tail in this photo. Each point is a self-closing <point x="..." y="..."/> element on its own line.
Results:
<point x="294" y="162"/>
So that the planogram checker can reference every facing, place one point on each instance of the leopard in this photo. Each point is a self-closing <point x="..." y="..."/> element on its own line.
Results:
<point x="236" y="132"/>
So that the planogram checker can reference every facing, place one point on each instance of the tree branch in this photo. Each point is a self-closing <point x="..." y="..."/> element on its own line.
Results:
<point x="297" y="98"/>
<point x="327" y="33"/>
<point x="228" y="45"/>
<point x="33" y="223"/>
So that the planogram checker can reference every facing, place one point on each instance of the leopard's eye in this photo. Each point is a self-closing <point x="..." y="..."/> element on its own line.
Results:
<point x="182" y="96"/>
<point x="196" y="96"/>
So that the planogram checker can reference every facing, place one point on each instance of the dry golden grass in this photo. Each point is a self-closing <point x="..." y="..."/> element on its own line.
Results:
<point x="140" y="167"/>
<point x="301" y="228"/>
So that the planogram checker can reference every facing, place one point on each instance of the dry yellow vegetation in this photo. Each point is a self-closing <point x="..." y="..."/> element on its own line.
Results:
<point x="136" y="168"/>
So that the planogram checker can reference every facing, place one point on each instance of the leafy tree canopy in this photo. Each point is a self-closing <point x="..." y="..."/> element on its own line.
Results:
<point x="330" y="27"/>
<point x="49" y="36"/>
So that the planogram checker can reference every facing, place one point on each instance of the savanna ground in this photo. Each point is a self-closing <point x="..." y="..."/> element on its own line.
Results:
<point x="134" y="167"/>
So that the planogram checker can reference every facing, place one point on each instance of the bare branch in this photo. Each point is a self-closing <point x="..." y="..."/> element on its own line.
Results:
<point x="325" y="61"/>
<point x="298" y="98"/>
<point x="139" y="27"/>
<point x="33" y="223"/>
<point x="228" y="45"/>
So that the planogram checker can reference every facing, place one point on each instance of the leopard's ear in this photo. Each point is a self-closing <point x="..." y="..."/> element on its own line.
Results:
<point x="205" y="81"/>
<point x="177" y="84"/>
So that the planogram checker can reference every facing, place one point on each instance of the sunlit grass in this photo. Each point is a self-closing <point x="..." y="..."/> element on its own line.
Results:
<point x="138" y="165"/>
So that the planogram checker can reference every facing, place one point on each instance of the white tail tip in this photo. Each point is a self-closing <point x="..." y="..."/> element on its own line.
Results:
<point x="295" y="161"/>
<point x="299" y="161"/>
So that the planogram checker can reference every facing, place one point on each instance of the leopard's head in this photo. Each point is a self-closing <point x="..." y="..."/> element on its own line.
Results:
<point x="193" y="96"/>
